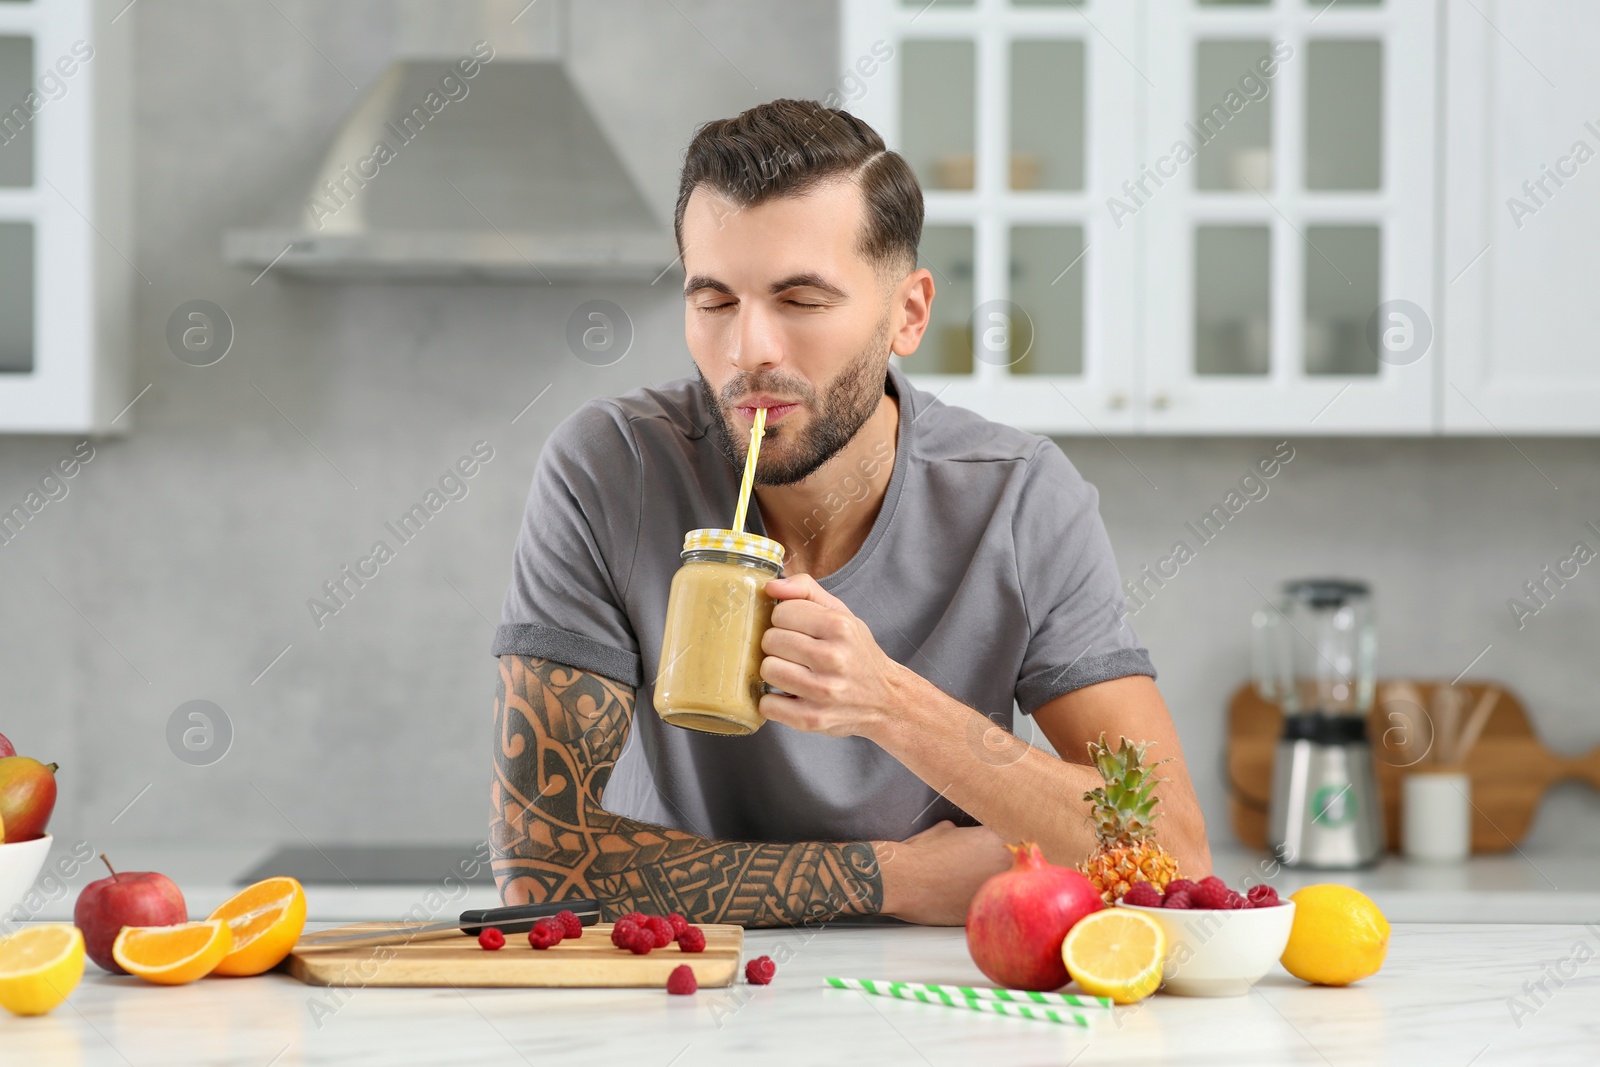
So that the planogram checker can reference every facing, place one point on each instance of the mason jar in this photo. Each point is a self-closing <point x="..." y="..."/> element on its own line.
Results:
<point x="709" y="677"/>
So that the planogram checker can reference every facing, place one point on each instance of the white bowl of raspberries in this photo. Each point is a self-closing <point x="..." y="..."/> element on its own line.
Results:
<point x="1220" y="942"/>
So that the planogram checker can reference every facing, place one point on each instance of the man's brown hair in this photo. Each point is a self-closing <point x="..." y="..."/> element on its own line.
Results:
<point x="784" y="148"/>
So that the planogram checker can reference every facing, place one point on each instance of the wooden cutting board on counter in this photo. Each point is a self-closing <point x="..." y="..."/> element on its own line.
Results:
<point x="588" y="962"/>
<point x="1510" y="767"/>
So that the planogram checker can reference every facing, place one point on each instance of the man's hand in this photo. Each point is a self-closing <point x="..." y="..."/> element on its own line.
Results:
<point x="930" y="877"/>
<point x="839" y="681"/>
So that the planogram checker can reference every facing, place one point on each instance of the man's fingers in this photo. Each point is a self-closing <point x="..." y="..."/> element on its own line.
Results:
<point x="779" y="709"/>
<point x="783" y="674"/>
<point x="793" y="711"/>
<point x="803" y="587"/>
<point x="808" y="617"/>
<point x="797" y="647"/>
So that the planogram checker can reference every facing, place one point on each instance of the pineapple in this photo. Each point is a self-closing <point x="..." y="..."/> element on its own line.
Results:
<point x="1124" y="825"/>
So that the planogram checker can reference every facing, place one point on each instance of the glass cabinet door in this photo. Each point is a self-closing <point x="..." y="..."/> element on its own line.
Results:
<point x="992" y="102"/>
<point x="1045" y="131"/>
<point x="938" y="131"/>
<point x="16" y="297"/>
<point x="65" y="216"/>
<point x="1175" y="216"/>
<point x="946" y="348"/>
<point x="1047" y="283"/>
<point x="1285" y="221"/>
<point x="16" y="228"/>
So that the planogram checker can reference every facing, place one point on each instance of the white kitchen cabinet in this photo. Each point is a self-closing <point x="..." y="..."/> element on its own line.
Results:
<point x="65" y="189"/>
<point x="1522" y="218"/>
<point x="998" y="106"/>
<point x="1226" y="291"/>
<point x="1285" y="196"/>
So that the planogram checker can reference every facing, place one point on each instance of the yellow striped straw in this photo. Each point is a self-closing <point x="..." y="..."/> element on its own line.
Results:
<point x="757" y="432"/>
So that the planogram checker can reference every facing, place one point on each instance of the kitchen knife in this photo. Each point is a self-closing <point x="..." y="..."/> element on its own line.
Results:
<point x="517" y="919"/>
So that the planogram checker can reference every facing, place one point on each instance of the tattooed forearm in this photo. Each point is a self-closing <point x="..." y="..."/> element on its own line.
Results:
<point x="558" y="733"/>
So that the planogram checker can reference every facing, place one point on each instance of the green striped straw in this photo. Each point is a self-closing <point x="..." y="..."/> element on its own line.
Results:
<point x="1018" y="1003"/>
<point x="1022" y="996"/>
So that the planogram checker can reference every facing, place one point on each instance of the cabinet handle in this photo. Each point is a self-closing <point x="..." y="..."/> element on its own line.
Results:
<point x="1161" y="401"/>
<point x="1117" y="401"/>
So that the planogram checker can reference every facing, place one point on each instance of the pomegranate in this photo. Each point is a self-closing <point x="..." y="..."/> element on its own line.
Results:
<point x="1019" y="918"/>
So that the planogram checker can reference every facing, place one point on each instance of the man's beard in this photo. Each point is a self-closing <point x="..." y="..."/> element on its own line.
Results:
<point x="847" y="403"/>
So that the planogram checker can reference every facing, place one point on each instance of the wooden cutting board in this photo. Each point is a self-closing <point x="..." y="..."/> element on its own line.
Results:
<point x="590" y="961"/>
<point x="1510" y="768"/>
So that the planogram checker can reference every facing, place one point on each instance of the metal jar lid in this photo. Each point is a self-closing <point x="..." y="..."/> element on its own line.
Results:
<point x="748" y="544"/>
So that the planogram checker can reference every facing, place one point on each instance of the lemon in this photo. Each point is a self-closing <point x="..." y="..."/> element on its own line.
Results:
<point x="1116" y="953"/>
<point x="39" y="966"/>
<point x="1339" y="935"/>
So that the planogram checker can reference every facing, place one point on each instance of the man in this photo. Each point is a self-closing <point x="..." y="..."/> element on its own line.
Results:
<point x="940" y="568"/>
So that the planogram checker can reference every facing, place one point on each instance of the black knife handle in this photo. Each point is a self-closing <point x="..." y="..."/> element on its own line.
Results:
<point x="519" y="918"/>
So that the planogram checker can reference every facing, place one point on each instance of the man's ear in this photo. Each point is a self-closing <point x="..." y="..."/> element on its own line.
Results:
<point x="913" y="305"/>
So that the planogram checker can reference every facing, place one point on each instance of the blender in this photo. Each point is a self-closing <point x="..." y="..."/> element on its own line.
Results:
<point x="1315" y="657"/>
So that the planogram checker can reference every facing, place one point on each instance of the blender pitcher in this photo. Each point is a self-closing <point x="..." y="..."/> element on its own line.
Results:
<point x="1315" y="657"/>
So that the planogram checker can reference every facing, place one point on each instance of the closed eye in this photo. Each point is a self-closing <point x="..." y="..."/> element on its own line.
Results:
<point x="713" y="308"/>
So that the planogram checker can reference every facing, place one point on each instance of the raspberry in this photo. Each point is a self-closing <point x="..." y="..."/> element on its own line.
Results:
<point x="760" y="970"/>
<point x="1212" y="879"/>
<point x="642" y="943"/>
<point x="693" y="939"/>
<point x="661" y="929"/>
<point x="1180" y="885"/>
<point x="622" y="932"/>
<point x="1235" y="900"/>
<point x="543" y="936"/>
<point x="1209" y="895"/>
<point x="571" y="925"/>
<point x="679" y="923"/>
<point x="1262" y="896"/>
<point x="1180" y="899"/>
<point x="491" y="938"/>
<point x="1143" y="894"/>
<point x="681" y="980"/>
<point x="635" y="917"/>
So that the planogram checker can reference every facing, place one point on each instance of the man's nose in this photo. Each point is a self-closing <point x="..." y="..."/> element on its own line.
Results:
<point x="758" y="342"/>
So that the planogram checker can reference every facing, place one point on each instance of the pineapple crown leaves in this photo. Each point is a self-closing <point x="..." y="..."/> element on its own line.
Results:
<point x="1123" y="807"/>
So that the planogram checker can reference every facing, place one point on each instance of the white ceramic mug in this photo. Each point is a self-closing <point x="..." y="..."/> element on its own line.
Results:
<point x="1436" y="816"/>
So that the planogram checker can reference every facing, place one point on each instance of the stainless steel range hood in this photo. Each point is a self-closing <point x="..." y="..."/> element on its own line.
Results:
<point x="503" y="174"/>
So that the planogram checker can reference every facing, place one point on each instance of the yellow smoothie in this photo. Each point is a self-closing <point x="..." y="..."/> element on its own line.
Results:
<point x="709" y="677"/>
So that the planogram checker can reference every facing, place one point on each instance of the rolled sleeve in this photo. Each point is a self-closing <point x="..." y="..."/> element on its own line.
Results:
<point x="1071" y="592"/>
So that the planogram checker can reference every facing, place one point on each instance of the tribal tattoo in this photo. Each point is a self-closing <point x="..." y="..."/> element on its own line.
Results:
<point x="558" y="733"/>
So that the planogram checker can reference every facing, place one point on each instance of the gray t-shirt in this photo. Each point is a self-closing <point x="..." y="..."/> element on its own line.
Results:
<point x="987" y="571"/>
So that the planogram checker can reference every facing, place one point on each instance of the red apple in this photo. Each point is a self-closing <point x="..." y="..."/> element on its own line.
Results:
<point x="131" y="898"/>
<point x="27" y="796"/>
<point x="6" y="748"/>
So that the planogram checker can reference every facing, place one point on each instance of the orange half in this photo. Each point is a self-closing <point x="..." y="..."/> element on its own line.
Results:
<point x="172" y="955"/>
<point x="266" y="920"/>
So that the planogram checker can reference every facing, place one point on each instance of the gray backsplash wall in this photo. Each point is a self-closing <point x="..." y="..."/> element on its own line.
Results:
<point x="179" y="565"/>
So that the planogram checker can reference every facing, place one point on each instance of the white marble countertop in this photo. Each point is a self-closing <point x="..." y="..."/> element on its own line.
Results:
<point x="1442" y="997"/>
<point x="1533" y="886"/>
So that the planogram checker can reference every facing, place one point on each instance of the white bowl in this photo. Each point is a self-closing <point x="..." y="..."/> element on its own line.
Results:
<point x="1213" y="952"/>
<point x="20" y="862"/>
